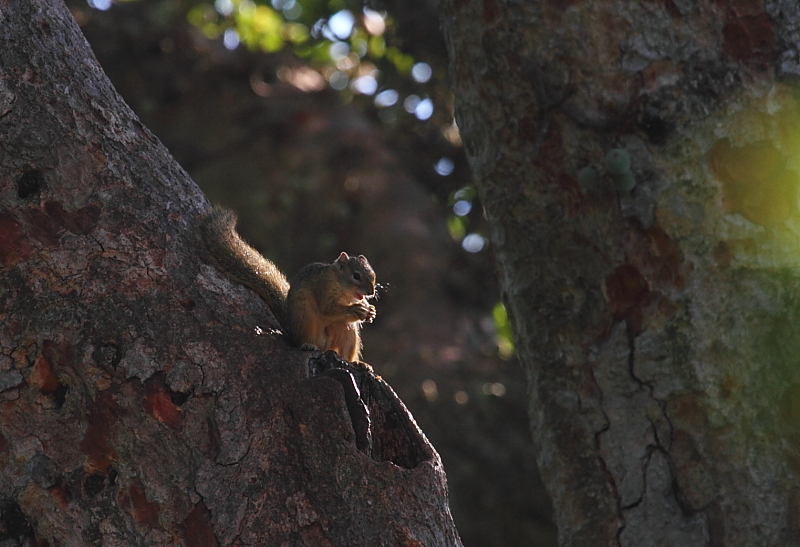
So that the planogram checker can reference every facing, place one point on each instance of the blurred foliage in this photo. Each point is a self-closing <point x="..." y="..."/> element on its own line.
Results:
<point x="345" y="43"/>
<point x="505" y="339"/>
<point x="357" y="52"/>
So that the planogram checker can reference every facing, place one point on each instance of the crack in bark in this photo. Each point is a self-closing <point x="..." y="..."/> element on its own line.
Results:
<point x="606" y="471"/>
<point x="383" y="428"/>
<point x="239" y="460"/>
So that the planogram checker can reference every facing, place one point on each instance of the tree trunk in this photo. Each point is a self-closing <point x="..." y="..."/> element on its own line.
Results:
<point x="637" y="163"/>
<point x="141" y="400"/>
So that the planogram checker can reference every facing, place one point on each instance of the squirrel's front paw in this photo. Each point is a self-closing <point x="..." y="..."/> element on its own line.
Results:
<point x="309" y="347"/>
<point x="371" y="312"/>
<point x="362" y="310"/>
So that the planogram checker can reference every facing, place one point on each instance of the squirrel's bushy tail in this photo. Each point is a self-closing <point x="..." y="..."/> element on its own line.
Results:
<point x="243" y="263"/>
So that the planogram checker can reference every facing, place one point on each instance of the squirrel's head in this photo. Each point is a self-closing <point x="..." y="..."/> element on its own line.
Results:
<point x="358" y="273"/>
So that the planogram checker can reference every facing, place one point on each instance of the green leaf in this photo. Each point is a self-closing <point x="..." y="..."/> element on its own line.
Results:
<point x="401" y="61"/>
<point x="457" y="226"/>
<point x="505" y="339"/>
<point x="377" y="46"/>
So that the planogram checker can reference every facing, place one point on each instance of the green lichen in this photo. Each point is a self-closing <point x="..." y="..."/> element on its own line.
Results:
<point x="618" y="166"/>
<point x="624" y="182"/>
<point x="618" y="161"/>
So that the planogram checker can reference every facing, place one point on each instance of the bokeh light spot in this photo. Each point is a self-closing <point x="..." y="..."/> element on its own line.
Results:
<point x="444" y="166"/>
<point x="411" y="103"/>
<point x="230" y="38"/>
<point x="421" y="72"/>
<point x="341" y="24"/>
<point x="101" y="5"/>
<point x="429" y="390"/>
<point x="424" y="109"/>
<point x="495" y="388"/>
<point x="366" y="85"/>
<point x="462" y="208"/>
<point x="224" y="7"/>
<point x="338" y="51"/>
<point x="473" y="243"/>
<point x="338" y="80"/>
<point x="374" y="22"/>
<point x="386" y="98"/>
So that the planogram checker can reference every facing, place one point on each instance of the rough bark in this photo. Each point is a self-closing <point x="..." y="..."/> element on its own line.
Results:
<point x="144" y="399"/>
<point x="658" y="325"/>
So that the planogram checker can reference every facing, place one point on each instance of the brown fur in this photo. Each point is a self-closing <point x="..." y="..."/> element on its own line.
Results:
<point x="326" y="303"/>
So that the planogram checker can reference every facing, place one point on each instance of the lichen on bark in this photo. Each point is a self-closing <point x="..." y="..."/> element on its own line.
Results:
<point x="656" y="323"/>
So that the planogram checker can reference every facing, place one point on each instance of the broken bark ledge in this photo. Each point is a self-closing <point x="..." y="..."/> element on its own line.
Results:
<point x="143" y="399"/>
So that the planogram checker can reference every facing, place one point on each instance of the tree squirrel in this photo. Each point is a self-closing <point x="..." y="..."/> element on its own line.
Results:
<point x="326" y="303"/>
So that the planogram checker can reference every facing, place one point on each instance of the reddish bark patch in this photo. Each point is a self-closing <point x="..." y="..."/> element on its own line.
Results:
<point x="134" y="501"/>
<point x="42" y="376"/>
<point x="52" y="219"/>
<point x="686" y="412"/>
<point x="314" y="536"/>
<point x="96" y="442"/>
<point x="14" y="247"/>
<point x="197" y="530"/>
<point x="627" y="291"/>
<point x="729" y="386"/>
<point x="157" y="402"/>
<point x="55" y="211"/>
<point x="83" y="220"/>
<point x="47" y="224"/>
<point x="742" y="7"/>
<point x="749" y="38"/>
<point x="61" y="494"/>
<point x="664" y="257"/>
<point x="407" y="539"/>
<point x="491" y="11"/>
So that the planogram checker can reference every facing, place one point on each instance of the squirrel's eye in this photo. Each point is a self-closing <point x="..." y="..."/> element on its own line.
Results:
<point x="357" y="276"/>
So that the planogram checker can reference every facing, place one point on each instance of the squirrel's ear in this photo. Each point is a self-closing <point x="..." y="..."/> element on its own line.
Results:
<point x="343" y="258"/>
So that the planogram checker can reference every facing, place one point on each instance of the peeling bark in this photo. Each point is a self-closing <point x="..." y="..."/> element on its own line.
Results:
<point x="144" y="398"/>
<point x="636" y="162"/>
